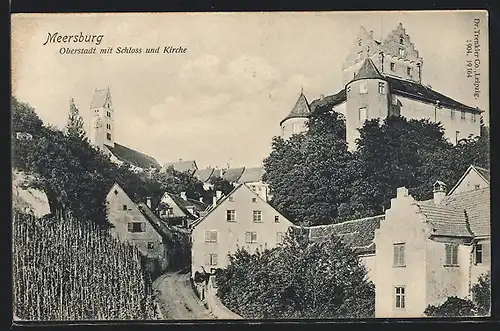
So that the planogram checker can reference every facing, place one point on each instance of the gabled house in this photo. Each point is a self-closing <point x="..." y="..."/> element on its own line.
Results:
<point x="239" y="220"/>
<point x="180" y="210"/>
<point x="134" y="224"/>
<point x="474" y="178"/>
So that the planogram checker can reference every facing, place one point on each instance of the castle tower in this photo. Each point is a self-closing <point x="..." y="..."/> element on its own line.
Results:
<point x="367" y="97"/>
<point x="295" y="122"/>
<point x="101" y="131"/>
<point x="394" y="56"/>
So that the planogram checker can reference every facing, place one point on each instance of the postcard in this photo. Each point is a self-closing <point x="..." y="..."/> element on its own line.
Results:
<point x="250" y="165"/>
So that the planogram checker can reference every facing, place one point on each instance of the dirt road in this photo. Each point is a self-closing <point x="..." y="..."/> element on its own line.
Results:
<point x="177" y="298"/>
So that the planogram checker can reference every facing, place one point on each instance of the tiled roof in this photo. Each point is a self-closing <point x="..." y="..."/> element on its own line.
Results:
<point x="445" y="220"/>
<point x="203" y="175"/>
<point x="157" y="224"/>
<point x="367" y="71"/>
<point x="483" y="172"/>
<point x="477" y="207"/>
<point x="424" y="93"/>
<point x="183" y="166"/>
<point x="329" y="101"/>
<point x="358" y="234"/>
<point x="184" y="204"/>
<point x="99" y="99"/>
<point x="251" y="175"/>
<point x="233" y="174"/>
<point x="301" y="108"/>
<point x="134" y="157"/>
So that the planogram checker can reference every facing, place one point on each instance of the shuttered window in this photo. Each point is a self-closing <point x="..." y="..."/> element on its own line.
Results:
<point x="479" y="254"/>
<point x="399" y="255"/>
<point x="251" y="237"/>
<point x="210" y="236"/>
<point x="136" y="227"/>
<point x="211" y="259"/>
<point x="451" y="255"/>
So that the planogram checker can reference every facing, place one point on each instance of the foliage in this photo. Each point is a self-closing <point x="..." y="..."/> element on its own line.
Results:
<point x="314" y="179"/>
<point x="307" y="173"/>
<point x="75" y="125"/>
<point x="68" y="270"/>
<point x="24" y="118"/>
<point x="297" y="279"/>
<point x="176" y="182"/>
<point x="481" y="293"/>
<point x="221" y="184"/>
<point x="452" y="307"/>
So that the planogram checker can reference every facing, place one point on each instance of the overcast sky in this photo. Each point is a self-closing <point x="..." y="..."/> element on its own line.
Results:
<point x="242" y="73"/>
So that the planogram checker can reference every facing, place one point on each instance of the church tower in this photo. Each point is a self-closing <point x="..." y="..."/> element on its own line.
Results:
<point x="295" y="122"/>
<point x="101" y="131"/>
<point x="367" y="97"/>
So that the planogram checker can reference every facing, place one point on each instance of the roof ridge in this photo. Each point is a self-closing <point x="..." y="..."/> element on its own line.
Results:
<point x="345" y="222"/>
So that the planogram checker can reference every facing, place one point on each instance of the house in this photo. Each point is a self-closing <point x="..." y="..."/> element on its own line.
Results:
<point x="419" y="253"/>
<point x="427" y="251"/>
<point x="241" y="219"/>
<point x="384" y="78"/>
<point x="101" y="135"/>
<point x="180" y="210"/>
<point x="252" y="177"/>
<point x="189" y="167"/>
<point x="135" y="224"/>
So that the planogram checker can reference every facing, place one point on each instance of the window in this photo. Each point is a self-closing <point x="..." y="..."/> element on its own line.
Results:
<point x="363" y="114"/>
<point x="452" y="114"/>
<point x="254" y="199"/>
<point x="462" y="115"/>
<point x="401" y="40"/>
<point x="401" y="52"/>
<point x="381" y="88"/>
<point x="393" y="66"/>
<point x="136" y="227"/>
<point x="124" y="207"/>
<point x="363" y="88"/>
<point x="108" y="113"/>
<point x="408" y="71"/>
<point x="211" y="259"/>
<point x="170" y="211"/>
<point x="276" y="219"/>
<point x="400" y="297"/>
<point x="451" y="255"/>
<point x="210" y="236"/>
<point x="231" y="215"/>
<point x="231" y="199"/>
<point x="477" y="187"/>
<point x="348" y="89"/>
<point x="368" y="49"/>
<point x="108" y="126"/>
<point x="116" y="192"/>
<point x="108" y="136"/>
<point x="473" y="117"/>
<point x="96" y="112"/>
<point x="360" y="54"/>
<point x="296" y="128"/>
<point x="479" y="253"/>
<point x="257" y="216"/>
<point x="251" y="237"/>
<point x="279" y="237"/>
<point x="151" y="245"/>
<point x="457" y="134"/>
<point x="399" y="255"/>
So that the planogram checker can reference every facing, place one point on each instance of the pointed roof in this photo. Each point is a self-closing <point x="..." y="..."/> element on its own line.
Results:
<point x="184" y="205"/>
<point x="483" y="173"/>
<point x="204" y="175"/>
<point x="368" y="70"/>
<point x="301" y="108"/>
<point x="100" y="98"/>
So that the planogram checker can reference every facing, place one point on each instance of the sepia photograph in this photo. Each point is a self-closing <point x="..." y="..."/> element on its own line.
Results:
<point x="250" y="166"/>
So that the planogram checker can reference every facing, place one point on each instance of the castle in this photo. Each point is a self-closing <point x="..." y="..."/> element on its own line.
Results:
<point x="384" y="78"/>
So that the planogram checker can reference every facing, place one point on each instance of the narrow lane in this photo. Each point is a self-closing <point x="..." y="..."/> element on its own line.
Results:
<point x="177" y="298"/>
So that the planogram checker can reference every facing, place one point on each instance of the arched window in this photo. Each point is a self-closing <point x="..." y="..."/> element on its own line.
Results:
<point x="401" y="40"/>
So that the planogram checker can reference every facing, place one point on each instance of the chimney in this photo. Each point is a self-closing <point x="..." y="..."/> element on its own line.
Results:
<point x="322" y="96"/>
<point x="439" y="190"/>
<point x="401" y="192"/>
<point x="183" y="196"/>
<point x="218" y="194"/>
<point x="148" y="202"/>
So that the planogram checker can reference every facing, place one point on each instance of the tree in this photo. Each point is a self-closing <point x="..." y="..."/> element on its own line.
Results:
<point x="75" y="125"/>
<point x="24" y="118"/>
<point x="452" y="307"/>
<point x="221" y="184"/>
<point x="481" y="293"/>
<point x="308" y="173"/>
<point x="297" y="279"/>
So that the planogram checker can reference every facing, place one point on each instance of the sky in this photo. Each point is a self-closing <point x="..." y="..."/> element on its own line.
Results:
<point x="221" y="102"/>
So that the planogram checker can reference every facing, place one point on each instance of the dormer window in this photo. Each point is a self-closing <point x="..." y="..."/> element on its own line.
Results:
<point x="408" y="71"/>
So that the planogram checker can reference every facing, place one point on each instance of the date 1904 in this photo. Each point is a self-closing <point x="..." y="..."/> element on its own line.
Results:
<point x="473" y="62"/>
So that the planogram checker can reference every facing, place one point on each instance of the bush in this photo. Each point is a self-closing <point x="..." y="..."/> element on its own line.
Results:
<point x="481" y="293"/>
<point x="452" y="307"/>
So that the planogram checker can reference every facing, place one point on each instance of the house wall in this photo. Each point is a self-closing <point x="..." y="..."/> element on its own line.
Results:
<point x="231" y="235"/>
<point x="444" y="281"/>
<point x="402" y="224"/>
<point x="340" y="108"/>
<point x="120" y="218"/>
<point x="177" y="212"/>
<point x="420" y="110"/>
<point x="261" y="189"/>
<point x="478" y="269"/>
<point x="469" y="182"/>
<point x="368" y="261"/>
<point x="287" y="127"/>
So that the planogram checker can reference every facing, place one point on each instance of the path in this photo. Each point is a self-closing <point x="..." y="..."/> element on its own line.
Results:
<point x="178" y="299"/>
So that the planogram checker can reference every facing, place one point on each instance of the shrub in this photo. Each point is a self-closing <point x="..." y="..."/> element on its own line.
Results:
<point x="452" y="307"/>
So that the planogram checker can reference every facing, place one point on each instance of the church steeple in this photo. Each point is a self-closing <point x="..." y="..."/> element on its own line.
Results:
<point x="101" y="131"/>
